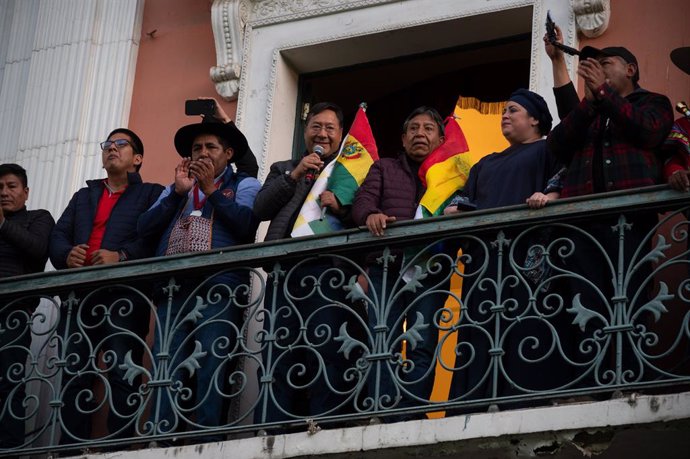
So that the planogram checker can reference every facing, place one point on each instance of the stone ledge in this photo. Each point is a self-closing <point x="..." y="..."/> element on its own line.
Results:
<point x="626" y="427"/>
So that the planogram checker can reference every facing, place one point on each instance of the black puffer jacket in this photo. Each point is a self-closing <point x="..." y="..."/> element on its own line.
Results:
<point x="389" y="188"/>
<point x="24" y="242"/>
<point x="76" y="222"/>
<point x="280" y="198"/>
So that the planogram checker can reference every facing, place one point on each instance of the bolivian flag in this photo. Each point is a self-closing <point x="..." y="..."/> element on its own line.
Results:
<point x="444" y="171"/>
<point x="342" y="176"/>
<point x="356" y="156"/>
<point x="311" y="218"/>
<point x="481" y="126"/>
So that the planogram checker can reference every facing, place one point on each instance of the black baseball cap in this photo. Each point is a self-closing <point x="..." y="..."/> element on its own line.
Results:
<point x="681" y="57"/>
<point x="619" y="51"/>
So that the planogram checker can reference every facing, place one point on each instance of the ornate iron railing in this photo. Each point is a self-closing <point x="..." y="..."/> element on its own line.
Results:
<point x="582" y="298"/>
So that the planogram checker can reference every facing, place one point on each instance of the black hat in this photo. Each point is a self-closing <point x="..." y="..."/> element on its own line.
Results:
<point x="619" y="51"/>
<point x="186" y="134"/>
<point x="136" y="141"/>
<point x="681" y="57"/>
<point x="536" y="106"/>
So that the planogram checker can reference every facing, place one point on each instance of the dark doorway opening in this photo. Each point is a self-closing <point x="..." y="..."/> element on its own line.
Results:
<point x="489" y="71"/>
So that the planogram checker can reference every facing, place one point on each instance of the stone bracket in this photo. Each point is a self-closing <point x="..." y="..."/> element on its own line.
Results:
<point x="228" y="18"/>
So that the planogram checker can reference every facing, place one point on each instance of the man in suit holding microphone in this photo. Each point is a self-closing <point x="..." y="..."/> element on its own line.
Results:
<point x="294" y="308"/>
<point x="288" y="182"/>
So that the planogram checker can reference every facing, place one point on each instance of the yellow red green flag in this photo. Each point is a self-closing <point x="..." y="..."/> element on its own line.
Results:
<point x="444" y="171"/>
<point x="356" y="156"/>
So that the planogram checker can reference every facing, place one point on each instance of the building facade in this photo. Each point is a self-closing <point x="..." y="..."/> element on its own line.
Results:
<point x="73" y="70"/>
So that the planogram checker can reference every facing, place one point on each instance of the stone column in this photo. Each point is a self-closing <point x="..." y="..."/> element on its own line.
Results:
<point x="66" y="82"/>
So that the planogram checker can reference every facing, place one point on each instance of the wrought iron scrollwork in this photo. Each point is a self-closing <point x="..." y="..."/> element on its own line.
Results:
<point x="511" y="314"/>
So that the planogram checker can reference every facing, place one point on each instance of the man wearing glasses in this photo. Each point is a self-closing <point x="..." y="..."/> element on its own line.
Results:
<point x="293" y="301"/>
<point x="99" y="227"/>
<point x="288" y="182"/>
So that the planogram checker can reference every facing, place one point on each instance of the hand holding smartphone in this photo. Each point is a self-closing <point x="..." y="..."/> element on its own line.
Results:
<point x="204" y="107"/>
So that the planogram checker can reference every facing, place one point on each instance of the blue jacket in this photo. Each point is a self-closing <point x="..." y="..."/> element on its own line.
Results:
<point x="76" y="222"/>
<point x="234" y="222"/>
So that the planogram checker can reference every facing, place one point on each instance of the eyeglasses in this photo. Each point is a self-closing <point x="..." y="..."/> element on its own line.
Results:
<point x="316" y="128"/>
<point x="119" y="143"/>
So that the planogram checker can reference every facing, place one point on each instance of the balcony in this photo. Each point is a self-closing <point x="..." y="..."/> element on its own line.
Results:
<point x="505" y="333"/>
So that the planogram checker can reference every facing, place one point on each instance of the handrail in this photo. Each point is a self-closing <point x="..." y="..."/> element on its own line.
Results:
<point x="650" y="197"/>
<point x="308" y="325"/>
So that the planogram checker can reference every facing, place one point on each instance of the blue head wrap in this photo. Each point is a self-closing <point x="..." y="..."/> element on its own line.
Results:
<point x="536" y="107"/>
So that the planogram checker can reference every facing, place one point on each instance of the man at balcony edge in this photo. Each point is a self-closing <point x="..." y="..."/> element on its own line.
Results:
<point x="611" y="141"/>
<point x="24" y="236"/>
<point x="208" y="206"/>
<point x="391" y="192"/>
<point x="280" y="200"/>
<point x="99" y="227"/>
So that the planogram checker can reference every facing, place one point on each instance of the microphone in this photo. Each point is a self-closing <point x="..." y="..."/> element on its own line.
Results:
<point x="312" y="174"/>
<point x="682" y="108"/>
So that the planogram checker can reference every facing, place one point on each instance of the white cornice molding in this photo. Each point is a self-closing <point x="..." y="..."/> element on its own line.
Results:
<point x="430" y="19"/>
<point x="229" y="19"/>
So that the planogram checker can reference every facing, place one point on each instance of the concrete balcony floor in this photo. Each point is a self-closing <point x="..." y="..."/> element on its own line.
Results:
<point x="631" y="427"/>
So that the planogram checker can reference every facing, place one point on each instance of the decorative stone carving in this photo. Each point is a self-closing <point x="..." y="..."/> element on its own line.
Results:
<point x="272" y="8"/>
<point x="228" y="18"/>
<point x="592" y="16"/>
<point x="272" y="11"/>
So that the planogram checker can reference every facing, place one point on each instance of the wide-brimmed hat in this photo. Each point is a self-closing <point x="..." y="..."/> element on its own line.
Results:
<point x="681" y="57"/>
<point x="619" y="51"/>
<point x="184" y="138"/>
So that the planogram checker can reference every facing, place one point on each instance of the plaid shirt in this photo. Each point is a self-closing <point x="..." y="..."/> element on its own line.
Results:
<point x="627" y="132"/>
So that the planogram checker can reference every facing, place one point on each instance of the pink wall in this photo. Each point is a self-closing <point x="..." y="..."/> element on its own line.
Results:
<point x="651" y="30"/>
<point x="172" y="66"/>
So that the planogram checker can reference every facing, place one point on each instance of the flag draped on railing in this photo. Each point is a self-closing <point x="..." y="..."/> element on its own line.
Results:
<point x="342" y="176"/>
<point x="444" y="171"/>
<point x="481" y="128"/>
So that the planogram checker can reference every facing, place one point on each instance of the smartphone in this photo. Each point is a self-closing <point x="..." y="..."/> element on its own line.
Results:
<point x="466" y="205"/>
<point x="199" y="107"/>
